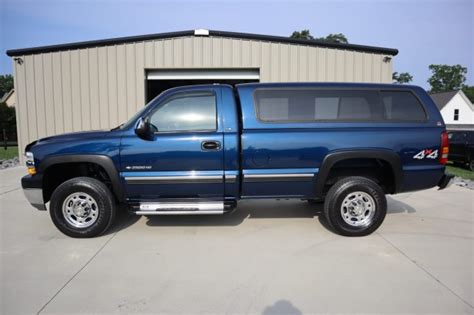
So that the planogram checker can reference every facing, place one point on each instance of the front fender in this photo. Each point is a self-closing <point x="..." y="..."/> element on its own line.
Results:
<point x="103" y="160"/>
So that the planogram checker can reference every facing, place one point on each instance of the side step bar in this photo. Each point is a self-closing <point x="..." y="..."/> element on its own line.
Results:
<point x="174" y="208"/>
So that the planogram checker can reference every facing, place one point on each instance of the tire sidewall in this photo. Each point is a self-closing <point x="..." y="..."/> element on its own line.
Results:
<point x="96" y="190"/>
<point x="333" y="210"/>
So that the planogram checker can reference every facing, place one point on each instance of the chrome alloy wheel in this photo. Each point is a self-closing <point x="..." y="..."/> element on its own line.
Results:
<point x="358" y="209"/>
<point x="80" y="210"/>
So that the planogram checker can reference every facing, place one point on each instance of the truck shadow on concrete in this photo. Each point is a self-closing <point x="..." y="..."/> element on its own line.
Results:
<point x="250" y="209"/>
<point x="397" y="206"/>
<point x="247" y="209"/>
<point x="281" y="307"/>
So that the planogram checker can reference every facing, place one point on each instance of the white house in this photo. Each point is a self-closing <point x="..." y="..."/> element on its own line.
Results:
<point x="456" y="109"/>
<point x="9" y="98"/>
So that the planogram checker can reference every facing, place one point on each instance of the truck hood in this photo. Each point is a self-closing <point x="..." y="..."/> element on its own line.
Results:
<point x="71" y="136"/>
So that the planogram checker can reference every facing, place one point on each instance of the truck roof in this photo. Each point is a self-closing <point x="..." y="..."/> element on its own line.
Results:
<point x="328" y="85"/>
<point x="344" y="85"/>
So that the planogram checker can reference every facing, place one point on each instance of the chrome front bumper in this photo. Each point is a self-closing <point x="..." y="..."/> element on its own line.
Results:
<point x="35" y="197"/>
<point x="33" y="190"/>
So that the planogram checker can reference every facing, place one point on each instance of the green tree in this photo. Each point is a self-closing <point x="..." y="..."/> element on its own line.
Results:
<point x="446" y="78"/>
<point x="469" y="91"/>
<point x="304" y="34"/>
<point x="402" y="78"/>
<point x="336" y="38"/>
<point x="7" y="122"/>
<point x="6" y="84"/>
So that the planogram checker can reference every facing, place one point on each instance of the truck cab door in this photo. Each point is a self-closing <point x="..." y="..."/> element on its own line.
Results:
<point x="183" y="159"/>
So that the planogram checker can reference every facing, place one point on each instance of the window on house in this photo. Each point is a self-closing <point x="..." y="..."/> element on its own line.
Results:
<point x="456" y="114"/>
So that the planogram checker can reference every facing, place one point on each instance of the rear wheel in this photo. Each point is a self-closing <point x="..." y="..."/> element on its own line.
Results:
<point x="82" y="207"/>
<point x="355" y="206"/>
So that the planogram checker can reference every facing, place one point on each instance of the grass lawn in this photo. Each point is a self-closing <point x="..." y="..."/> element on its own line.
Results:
<point x="9" y="153"/>
<point x="461" y="172"/>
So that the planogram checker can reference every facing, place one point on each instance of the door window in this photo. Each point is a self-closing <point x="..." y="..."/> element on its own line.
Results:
<point x="186" y="112"/>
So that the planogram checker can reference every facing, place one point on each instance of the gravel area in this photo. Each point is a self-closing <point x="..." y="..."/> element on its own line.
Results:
<point x="464" y="182"/>
<point x="9" y="163"/>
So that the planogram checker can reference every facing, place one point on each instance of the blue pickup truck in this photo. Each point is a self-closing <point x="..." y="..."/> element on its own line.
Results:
<point x="200" y="149"/>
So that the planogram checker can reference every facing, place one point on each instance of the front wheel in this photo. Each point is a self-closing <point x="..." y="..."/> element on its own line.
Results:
<point x="355" y="206"/>
<point x="82" y="207"/>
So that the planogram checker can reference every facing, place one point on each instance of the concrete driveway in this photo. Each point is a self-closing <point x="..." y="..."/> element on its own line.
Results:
<point x="267" y="257"/>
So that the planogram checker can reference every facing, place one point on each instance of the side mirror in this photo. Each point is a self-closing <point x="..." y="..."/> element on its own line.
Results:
<point x="143" y="129"/>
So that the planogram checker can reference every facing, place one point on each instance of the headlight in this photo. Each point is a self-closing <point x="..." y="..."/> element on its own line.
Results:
<point x="30" y="163"/>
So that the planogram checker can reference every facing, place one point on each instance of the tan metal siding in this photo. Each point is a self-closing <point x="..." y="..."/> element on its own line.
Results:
<point x="112" y="85"/>
<point x="100" y="87"/>
<point x="139" y="76"/>
<point x="22" y="126"/>
<point x="30" y="98"/>
<point x="103" y="84"/>
<point x="65" y="62"/>
<point x="57" y="86"/>
<point x="93" y="85"/>
<point x="322" y="65"/>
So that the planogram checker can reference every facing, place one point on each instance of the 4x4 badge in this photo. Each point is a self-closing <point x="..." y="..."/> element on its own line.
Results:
<point x="426" y="154"/>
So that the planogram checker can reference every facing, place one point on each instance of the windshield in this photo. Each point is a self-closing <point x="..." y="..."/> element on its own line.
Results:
<point x="138" y="114"/>
<point x="133" y="119"/>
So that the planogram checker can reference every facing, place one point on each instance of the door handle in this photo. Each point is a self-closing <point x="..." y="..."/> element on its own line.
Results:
<point x="210" y="145"/>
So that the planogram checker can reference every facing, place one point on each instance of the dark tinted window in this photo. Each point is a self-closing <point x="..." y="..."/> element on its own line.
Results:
<point x="186" y="112"/>
<point x="461" y="136"/>
<point x="312" y="105"/>
<point x="470" y="136"/>
<point x="456" y="136"/>
<point x="402" y="105"/>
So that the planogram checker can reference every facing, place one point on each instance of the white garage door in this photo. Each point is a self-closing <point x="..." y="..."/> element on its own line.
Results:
<point x="204" y="74"/>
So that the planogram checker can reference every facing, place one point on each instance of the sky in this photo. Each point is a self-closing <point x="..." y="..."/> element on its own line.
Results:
<point x="425" y="32"/>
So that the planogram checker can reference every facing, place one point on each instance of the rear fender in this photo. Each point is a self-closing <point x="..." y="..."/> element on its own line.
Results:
<point x="392" y="158"/>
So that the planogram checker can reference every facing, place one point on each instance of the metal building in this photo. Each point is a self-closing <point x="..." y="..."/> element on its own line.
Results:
<point x="100" y="84"/>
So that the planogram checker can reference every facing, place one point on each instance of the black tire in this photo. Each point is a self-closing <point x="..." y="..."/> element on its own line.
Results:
<point x="104" y="203"/>
<point x="342" y="189"/>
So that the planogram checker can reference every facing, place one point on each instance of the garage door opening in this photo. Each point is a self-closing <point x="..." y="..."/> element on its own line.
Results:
<point x="161" y="80"/>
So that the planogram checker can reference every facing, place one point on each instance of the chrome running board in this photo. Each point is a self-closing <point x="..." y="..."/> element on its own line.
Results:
<point x="174" y="208"/>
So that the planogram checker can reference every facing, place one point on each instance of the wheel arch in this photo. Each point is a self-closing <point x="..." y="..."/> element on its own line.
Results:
<point x="102" y="160"/>
<point x="390" y="157"/>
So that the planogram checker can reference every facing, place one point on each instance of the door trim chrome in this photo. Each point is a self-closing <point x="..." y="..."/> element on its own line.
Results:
<point x="249" y="178"/>
<point x="185" y="179"/>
